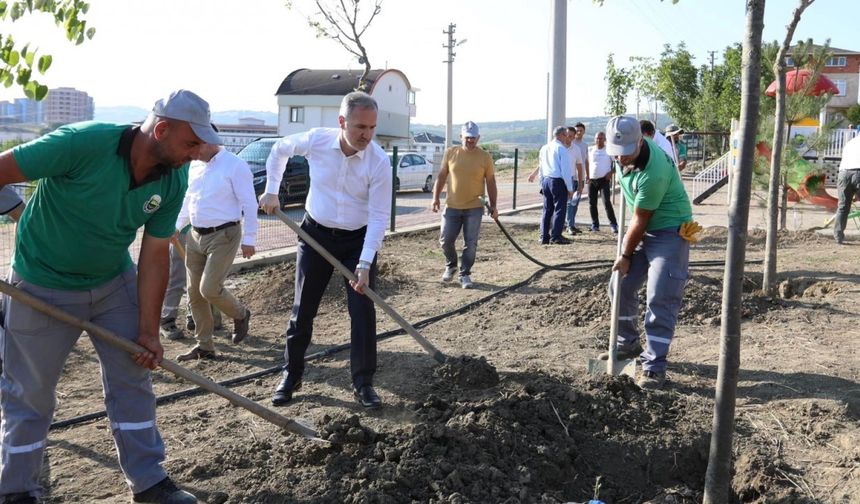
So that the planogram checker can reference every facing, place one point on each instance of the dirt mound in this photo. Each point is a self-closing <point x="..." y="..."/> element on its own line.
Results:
<point x="468" y="372"/>
<point x="268" y="290"/>
<point x="537" y="438"/>
<point x="703" y="298"/>
<point x="807" y="288"/>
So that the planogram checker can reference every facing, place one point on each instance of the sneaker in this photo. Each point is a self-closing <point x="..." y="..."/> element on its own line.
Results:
<point x="573" y="231"/>
<point x="614" y="228"/>
<point x="189" y="322"/>
<point x="561" y="240"/>
<point x="651" y="380"/>
<point x="594" y="228"/>
<point x="170" y="330"/>
<point x="449" y="274"/>
<point x="165" y="492"/>
<point x="466" y="282"/>
<point x="623" y="353"/>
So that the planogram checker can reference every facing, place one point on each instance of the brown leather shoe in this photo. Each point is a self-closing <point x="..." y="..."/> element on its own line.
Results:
<point x="240" y="327"/>
<point x="196" y="353"/>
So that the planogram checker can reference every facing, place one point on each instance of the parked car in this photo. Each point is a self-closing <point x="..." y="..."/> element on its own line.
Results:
<point x="413" y="172"/>
<point x="296" y="181"/>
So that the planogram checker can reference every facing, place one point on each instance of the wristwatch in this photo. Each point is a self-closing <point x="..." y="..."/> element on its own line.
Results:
<point x="363" y="265"/>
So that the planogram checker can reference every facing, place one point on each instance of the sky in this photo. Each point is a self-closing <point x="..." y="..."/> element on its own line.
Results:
<point x="236" y="53"/>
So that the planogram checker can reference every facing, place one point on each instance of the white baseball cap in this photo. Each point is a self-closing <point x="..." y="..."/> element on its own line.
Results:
<point x="469" y="129"/>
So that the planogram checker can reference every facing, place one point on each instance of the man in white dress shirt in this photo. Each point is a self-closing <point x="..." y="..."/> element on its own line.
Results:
<point x="648" y="130"/>
<point x="220" y="193"/>
<point x="347" y="209"/>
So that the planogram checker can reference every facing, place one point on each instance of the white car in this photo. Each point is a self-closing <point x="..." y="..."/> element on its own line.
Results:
<point x="413" y="172"/>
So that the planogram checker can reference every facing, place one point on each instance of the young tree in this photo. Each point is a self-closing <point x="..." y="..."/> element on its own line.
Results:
<point x="776" y="180"/>
<point x="720" y="97"/>
<point x="618" y="84"/>
<point x="17" y="62"/>
<point x="677" y="83"/>
<point x="644" y="77"/>
<point x="718" y="474"/>
<point x="344" y="22"/>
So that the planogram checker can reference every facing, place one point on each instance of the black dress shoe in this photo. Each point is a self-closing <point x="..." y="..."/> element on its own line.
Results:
<point x="284" y="391"/>
<point x="367" y="397"/>
<point x="240" y="327"/>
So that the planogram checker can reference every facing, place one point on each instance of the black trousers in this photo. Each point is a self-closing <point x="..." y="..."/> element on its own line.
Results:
<point x="602" y="186"/>
<point x="313" y="273"/>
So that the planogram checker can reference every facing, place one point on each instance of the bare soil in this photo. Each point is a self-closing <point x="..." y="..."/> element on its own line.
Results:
<point x="511" y="417"/>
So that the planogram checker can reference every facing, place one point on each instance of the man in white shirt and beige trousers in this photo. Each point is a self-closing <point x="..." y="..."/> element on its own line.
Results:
<point x="348" y="207"/>
<point x="220" y="193"/>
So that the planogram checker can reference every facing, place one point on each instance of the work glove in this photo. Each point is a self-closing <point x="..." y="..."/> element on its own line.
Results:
<point x="690" y="231"/>
<point x="269" y="203"/>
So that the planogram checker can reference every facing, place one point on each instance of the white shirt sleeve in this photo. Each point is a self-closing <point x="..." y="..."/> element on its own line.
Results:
<point x="379" y="209"/>
<point x="184" y="217"/>
<point x="281" y="152"/>
<point x="243" y="188"/>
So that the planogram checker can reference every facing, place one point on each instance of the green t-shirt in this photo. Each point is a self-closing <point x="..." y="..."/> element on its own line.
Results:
<point x="84" y="214"/>
<point x="658" y="188"/>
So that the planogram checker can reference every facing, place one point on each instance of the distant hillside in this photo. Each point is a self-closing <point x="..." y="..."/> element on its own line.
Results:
<point x="527" y="132"/>
<point x="134" y="114"/>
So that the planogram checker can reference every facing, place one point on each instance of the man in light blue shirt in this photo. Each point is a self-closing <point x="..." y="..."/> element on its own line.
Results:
<point x="557" y="187"/>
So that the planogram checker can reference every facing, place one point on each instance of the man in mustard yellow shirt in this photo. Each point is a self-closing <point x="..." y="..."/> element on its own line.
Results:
<point x="465" y="170"/>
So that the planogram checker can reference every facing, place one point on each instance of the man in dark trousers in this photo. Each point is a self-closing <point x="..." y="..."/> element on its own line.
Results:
<point x="347" y="209"/>
<point x="98" y="184"/>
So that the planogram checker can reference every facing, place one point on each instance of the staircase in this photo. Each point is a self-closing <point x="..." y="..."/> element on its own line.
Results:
<point x="711" y="179"/>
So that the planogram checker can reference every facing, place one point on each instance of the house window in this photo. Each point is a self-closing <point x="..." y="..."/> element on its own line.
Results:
<point x="836" y="61"/>
<point x="410" y="97"/>
<point x="297" y="114"/>
<point x="842" y="86"/>
<point x="789" y="61"/>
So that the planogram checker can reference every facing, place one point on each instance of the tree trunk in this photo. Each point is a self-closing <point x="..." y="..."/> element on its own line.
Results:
<point x="718" y="475"/>
<point x="778" y="179"/>
<point x="773" y="191"/>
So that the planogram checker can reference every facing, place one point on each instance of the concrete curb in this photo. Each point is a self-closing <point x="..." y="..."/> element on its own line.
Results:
<point x="277" y="256"/>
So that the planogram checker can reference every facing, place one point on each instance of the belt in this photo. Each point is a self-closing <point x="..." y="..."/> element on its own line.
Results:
<point x="334" y="231"/>
<point x="210" y="230"/>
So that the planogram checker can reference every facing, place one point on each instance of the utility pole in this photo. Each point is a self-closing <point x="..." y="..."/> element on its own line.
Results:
<point x="558" y="70"/>
<point x="705" y="126"/>
<point x="452" y="43"/>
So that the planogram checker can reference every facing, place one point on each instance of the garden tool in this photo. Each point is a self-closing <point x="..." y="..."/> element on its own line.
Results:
<point x="297" y="427"/>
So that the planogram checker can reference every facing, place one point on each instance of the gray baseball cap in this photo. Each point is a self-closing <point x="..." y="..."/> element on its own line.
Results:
<point x="622" y="136"/>
<point x="183" y="105"/>
<point x="673" y="130"/>
<point x="469" y="129"/>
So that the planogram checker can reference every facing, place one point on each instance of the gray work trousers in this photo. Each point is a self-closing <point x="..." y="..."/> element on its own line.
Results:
<point x="208" y="259"/>
<point x="847" y="185"/>
<point x="35" y="347"/>
<point x="176" y="282"/>
<point x="663" y="258"/>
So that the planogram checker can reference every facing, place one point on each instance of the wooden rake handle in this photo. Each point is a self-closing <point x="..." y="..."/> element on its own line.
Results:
<point x="296" y="427"/>
<point x="343" y="270"/>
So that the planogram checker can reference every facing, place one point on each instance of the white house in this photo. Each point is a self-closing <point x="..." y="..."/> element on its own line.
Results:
<point x="311" y="98"/>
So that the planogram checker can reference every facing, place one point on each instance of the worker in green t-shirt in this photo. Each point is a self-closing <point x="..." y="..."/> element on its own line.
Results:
<point x="98" y="183"/>
<point x="653" y="249"/>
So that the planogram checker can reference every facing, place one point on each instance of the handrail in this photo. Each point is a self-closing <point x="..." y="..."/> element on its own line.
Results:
<point x="711" y="176"/>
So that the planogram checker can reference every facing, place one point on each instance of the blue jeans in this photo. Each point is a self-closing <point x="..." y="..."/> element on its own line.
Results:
<point x="573" y="205"/>
<point x="452" y="221"/>
<point x="663" y="257"/>
<point x="554" y="200"/>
